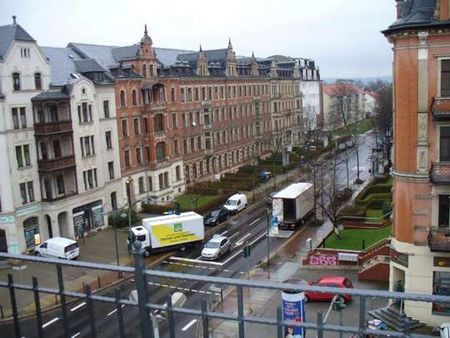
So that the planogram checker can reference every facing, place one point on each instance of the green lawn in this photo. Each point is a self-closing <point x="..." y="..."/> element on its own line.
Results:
<point x="351" y="239"/>
<point x="191" y="201"/>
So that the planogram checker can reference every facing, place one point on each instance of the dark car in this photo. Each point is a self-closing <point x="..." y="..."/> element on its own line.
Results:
<point x="264" y="176"/>
<point x="217" y="216"/>
<point x="330" y="281"/>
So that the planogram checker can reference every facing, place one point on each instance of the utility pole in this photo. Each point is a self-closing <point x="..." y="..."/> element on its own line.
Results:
<point x="269" y="219"/>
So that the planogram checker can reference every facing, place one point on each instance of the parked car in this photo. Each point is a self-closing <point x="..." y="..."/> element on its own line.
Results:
<point x="330" y="281"/>
<point x="236" y="203"/>
<point x="264" y="176"/>
<point x="217" y="216"/>
<point x="270" y="198"/>
<point x="58" y="247"/>
<point x="216" y="247"/>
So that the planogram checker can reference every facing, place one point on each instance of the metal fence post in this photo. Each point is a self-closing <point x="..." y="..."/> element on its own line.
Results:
<point x="12" y="294"/>
<point x="240" y="294"/>
<point x="90" y="308"/>
<point x="170" y="319"/>
<point x="362" y="315"/>
<point x="145" y="323"/>
<point x="280" y="326"/>
<point x="205" y="319"/>
<point x="37" y="304"/>
<point x="63" y="300"/>
<point x="119" y="314"/>
<point x="319" y="324"/>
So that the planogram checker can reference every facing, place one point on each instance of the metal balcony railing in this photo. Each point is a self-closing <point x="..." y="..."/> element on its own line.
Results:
<point x="146" y="308"/>
<point x="50" y="128"/>
<point x="56" y="164"/>
<point x="440" y="173"/>
<point x="439" y="239"/>
<point x="440" y="108"/>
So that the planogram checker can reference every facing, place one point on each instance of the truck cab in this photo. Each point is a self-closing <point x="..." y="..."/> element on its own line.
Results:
<point x="140" y="234"/>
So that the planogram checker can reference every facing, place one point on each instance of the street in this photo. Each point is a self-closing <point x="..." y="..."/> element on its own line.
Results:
<point x="250" y="227"/>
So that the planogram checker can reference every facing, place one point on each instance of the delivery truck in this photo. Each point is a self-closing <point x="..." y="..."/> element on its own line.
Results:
<point x="292" y="205"/>
<point x="167" y="232"/>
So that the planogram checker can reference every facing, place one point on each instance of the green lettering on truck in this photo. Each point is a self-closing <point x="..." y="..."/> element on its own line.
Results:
<point x="178" y="227"/>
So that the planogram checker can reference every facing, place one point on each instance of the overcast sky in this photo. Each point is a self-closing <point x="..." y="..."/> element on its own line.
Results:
<point x="343" y="36"/>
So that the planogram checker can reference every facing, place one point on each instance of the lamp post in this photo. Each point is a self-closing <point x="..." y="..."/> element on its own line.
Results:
<point x="128" y="186"/>
<point x="268" y="242"/>
<point x="114" y="224"/>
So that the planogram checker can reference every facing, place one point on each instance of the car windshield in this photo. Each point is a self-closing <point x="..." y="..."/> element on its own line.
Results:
<point x="212" y="245"/>
<point x="214" y="213"/>
<point x="231" y="202"/>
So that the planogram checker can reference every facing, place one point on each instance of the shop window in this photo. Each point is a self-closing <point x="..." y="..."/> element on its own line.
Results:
<point x="31" y="231"/>
<point x="441" y="287"/>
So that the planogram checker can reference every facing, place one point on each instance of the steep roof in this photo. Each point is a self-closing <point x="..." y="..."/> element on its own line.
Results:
<point x="9" y="33"/>
<point x="101" y="53"/>
<point x="211" y="55"/>
<point x="61" y="62"/>
<point x="415" y="13"/>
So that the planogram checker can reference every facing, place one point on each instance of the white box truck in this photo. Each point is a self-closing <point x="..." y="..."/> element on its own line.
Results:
<point x="292" y="205"/>
<point x="167" y="232"/>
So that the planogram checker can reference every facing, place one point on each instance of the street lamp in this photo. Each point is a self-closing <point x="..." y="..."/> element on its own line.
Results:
<point x="113" y="219"/>
<point x="128" y="186"/>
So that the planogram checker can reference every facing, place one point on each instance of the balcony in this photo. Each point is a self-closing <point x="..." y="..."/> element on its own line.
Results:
<point x="59" y="197"/>
<point x="440" y="173"/>
<point x="439" y="239"/>
<point x="209" y="152"/>
<point x="56" y="164"/>
<point x="51" y="128"/>
<point x="155" y="107"/>
<point x="440" y="108"/>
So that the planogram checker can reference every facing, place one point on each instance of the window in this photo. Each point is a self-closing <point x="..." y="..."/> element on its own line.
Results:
<point x="136" y="126"/>
<point x="124" y="128"/>
<point x="166" y="179"/>
<point x="37" y="81"/>
<point x="106" y="108"/>
<point x="444" y="144"/>
<point x="60" y="184"/>
<point x="196" y="94"/>
<point x="87" y="145"/>
<point x="182" y="94"/>
<point x="133" y="97"/>
<point x="147" y="153"/>
<point x="149" y="184"/>
<point x="178" y="172"/>
<point x="138" y="155"/>
<point x="444" y="209"/>
<point x="203" y="94"/>
<point x="126" y="156"/>
<point x="159" y="122"/>
<point x="183" y="120"/>
<point x="144" y="70"/>
<point x="174" y="121"/>
<point x="108" y="139"/>
<point x="90" y="179"/>
<point x="145" y="123"/>
<point x="141" y="185"/>
<point x="172" y="94"/>
<point x="16" y="81"/>
<point x="152" y="73"/>
<point x="445" y="78"/>
<point x="161" y="151"/>
<point x="19" y="118"/>
<point x="85" y="113"/>
<point x="185" y="146"/>
<point x="175" y="147"/>
<point x="111" y="170"/>
<point x="23" y="156"/>
<point x="26" y="192"/>
<point x="441" y="286"/>
<point x="122" y="98"/>
<point x="25" y="52"/>
<point x="161" y="181"/>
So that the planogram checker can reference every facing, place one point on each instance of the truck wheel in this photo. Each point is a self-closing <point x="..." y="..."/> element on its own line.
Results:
<point x="146" y="253"/>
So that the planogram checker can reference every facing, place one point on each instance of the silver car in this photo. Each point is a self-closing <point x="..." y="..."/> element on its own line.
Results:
<point x="216" y="247"/>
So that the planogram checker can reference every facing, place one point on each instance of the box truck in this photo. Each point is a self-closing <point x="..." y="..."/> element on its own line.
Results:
<point x="292" y="205"/>
<point x="167" y="232"/>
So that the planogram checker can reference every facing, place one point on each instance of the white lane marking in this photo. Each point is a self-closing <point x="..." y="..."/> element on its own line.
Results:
<point x="113" y="311"/>
<point x="223" y="233"/>
<point x="195" y="265"/>
<point x="233" y="235"/>
<point x="188" y="325"/>
<point x="175" y="258"/>
<point x="256" y="220"/>
<point x="76" y="335"/>
<point x="77" y="307"/>
<point x="258" y="238"/>
<point x="241" y="240"/>
<point x="50" y="322"/>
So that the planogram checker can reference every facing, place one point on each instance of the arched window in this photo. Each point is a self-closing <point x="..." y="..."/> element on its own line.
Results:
<point x="122" y="98"/>
<point x="161" y="151"/>
<point x="144" y="70"/>
<point x="152" y="72"/>
<point x="133" y="97"/>
<point x="37" y="81"/>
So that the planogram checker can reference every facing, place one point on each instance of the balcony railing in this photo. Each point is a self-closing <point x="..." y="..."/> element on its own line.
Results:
<point x="439" y="239"/>
<point x="50" y="128"/>
<point x="440" y="108"/>
<point x="440" y="173"/>
<point x="59" y="197"/>
<point x="146" y="305"/>
<point x="55" y="164"/>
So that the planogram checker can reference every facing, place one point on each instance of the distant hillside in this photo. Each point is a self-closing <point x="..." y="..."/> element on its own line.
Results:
<point x="364" y="80"/>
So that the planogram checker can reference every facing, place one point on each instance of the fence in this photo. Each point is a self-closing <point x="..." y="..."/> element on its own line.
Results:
<point x="145" y="308"/>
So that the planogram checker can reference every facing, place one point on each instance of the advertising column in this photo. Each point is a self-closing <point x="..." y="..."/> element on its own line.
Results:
<point x="294" y="312"/>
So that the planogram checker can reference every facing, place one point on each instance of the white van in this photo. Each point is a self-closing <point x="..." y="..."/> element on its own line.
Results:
<point x="58" y="247"/>
<point x="236" y="203"/>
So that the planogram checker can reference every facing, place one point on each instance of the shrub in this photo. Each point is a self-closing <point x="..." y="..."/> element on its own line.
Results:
<point x="115" y="218"/>
<point x="158" y="209"/>
<point x="353" y="210"/>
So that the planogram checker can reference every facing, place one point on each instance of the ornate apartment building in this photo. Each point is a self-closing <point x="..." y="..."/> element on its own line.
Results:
<point x="86" y="126"/>
<point x="420" y="253"/>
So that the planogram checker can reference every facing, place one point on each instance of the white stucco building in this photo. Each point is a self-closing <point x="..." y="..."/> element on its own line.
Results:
<point x="311" y="95"/>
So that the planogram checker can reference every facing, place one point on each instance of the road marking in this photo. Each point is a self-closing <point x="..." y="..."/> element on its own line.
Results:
<point x="176" y="288"/>
<point x="77" y="307"/>
<point x="114" y="311"/>
<point x="256" y="220"/>
<point x="188" y="325"/>
<point x="241" y="241"/>
<point x="233" y="235"/>
<point x="50" y="322"/>
<point x="195" y="265"/>
<point x="76" y="335"/>
<point x="175" y="258"/>
<point x="223" y="233"/>
<point x="258" y="238"/>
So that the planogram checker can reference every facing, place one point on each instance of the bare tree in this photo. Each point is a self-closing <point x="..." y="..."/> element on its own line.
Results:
<point x="356" y="147"/>
<point x="345" y="102"/>
<point x="384" y="117"/>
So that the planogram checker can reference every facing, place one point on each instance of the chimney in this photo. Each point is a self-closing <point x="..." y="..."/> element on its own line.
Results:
<point x="14" y="20"/>
<point x="399" y="8"/>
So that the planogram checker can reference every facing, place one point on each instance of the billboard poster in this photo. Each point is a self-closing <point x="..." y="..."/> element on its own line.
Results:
<point x="294" y="312"/>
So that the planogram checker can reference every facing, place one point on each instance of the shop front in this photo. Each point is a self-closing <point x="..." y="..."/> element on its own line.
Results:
<point x="88" y="217"/>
